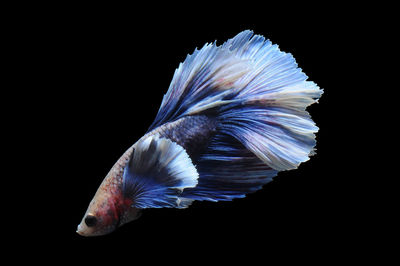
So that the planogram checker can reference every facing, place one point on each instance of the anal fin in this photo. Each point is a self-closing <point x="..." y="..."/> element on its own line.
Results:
<point x="228" y="170"/>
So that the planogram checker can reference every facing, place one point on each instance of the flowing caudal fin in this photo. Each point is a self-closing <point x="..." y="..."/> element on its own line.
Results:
<point x="157" y="173"/>
<point x="259" y="96"/>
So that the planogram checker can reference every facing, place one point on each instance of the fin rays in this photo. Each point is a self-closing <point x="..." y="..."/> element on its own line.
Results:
<point x="259" y="96"/>
<point x="157" y="173"/>
<point x="227" y="171"/>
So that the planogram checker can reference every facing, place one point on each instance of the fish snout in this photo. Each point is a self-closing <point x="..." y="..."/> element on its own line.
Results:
<point x="80" y="230"/>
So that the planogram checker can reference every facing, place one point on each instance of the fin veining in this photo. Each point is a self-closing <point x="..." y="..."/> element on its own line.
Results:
<point x="157" y="173"/>
<point x="259" y="97"/>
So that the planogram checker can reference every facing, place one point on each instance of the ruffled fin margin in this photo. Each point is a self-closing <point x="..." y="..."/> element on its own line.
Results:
<point x="259" y="96"/>
<point x="256" y="90"/>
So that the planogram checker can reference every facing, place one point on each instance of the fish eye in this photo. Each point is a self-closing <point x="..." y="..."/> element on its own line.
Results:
<point x="90" y="220"/>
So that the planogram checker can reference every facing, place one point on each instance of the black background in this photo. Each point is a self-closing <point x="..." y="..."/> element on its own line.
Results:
<point x="100" y="76"/>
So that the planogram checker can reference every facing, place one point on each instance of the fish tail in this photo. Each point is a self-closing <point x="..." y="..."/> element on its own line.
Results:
<point x="259" y="96"/>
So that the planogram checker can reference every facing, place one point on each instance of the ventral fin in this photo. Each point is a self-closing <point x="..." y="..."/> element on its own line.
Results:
<point x="157" y="173"/>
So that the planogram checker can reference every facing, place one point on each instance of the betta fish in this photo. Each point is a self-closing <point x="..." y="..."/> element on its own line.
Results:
<point x="233" y="117"/>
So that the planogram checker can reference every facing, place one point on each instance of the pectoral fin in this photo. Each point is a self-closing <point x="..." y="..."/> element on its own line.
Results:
<point x="157" y="173"/>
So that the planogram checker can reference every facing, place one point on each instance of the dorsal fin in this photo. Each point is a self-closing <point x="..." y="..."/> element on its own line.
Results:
<point x="256" y="91"/>
<point x="204" y="80"/>
<point x="258" y="95"/>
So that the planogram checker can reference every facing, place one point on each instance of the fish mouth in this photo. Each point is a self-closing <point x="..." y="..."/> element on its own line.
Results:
<point x="79" y="230"/>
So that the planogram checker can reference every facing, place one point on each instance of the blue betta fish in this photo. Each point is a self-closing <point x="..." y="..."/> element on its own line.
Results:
<point x="232" y="118"/>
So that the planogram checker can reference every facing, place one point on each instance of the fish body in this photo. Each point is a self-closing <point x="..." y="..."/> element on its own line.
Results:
<point x="232" y="118"/>
<point x="109" y="205"/>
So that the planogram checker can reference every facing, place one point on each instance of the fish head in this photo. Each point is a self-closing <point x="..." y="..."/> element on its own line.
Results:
<point x="106" y="212"/>
<point x="100" y="218"/>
